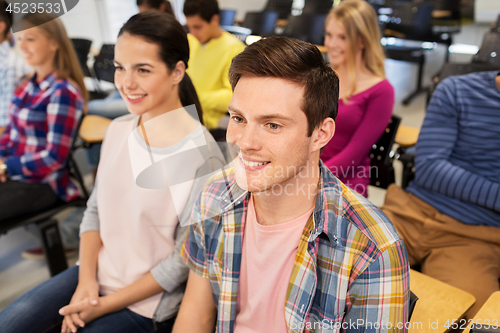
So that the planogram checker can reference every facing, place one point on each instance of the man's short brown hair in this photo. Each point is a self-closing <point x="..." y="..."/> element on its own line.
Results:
<point x="295" y="61"/>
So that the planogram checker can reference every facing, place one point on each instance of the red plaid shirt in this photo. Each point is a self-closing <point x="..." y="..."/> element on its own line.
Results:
<point x="43" y="118"/>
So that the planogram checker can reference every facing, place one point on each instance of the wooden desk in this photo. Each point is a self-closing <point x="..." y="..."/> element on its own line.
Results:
<point x="281" y="22"/>
<point x="437" y="14"/>
<point x="1" y="130"/>
<point x="407" y="136"/>
<point x="489" y="311"/>
<point x="322" y="48"/>
<point x="94" y="128"/>
<point x="438" y="303"/>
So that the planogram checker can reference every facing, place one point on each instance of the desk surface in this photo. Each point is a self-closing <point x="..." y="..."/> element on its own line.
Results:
<point x="322" y="48"/>
<point x="94" y="128"/>
<point x="489" y="311"/>
<point x="407" y="136"/>
<point x="438" y="304"/>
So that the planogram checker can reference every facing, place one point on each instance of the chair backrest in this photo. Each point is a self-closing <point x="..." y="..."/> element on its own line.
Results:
<point x="73" y="170"/>
<point x="489" y="53"/>
<point x="261" y="23"/>
<point x="82" y="49"/>
<point x="240" y="32"/>
<point x="495" y="27"/>
<point x="450" y="69"/>
<point x="381" y="171"/>
<point x="317" y="6"/>
<point x="307" y="27"/>
<point x="413" y="20"/>
<point x="227" y="16"/>
<point x="103" y="66"/>
<point x="283" y="7"/>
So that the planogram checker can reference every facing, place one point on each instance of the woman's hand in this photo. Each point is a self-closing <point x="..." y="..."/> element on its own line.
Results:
<point x="3" y="175"/>
<point x="85" y="311"/>
<point x="88" y="291"/>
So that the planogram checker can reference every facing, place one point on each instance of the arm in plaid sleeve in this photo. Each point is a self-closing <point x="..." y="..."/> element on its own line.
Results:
<point x="379" y="296"/>
<point x="63" y="113"/>
<point x="193" y="250"/>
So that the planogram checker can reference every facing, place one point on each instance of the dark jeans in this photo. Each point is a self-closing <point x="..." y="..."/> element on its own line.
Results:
<point x="20" y="198"/>
<point x="37" y="311"/>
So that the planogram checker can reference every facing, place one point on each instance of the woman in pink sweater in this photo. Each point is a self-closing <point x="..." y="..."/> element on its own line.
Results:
<point x="366" y="97"/>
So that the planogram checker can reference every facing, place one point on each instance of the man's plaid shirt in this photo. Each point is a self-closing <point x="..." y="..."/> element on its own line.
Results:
<point x="351" y="271"/>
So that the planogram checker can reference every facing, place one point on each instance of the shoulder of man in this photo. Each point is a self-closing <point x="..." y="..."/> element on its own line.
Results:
<point x="358" y="218"/>
<point x="212" y="197"/>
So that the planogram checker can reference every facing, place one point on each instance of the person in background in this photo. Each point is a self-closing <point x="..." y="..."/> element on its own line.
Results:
<point x="277" y="243"/>
<point x="212" y="50"/>
<point x="43" y="118"/>
<point x="366" y="98"/>
<point x="161" y="5"/>
<point x="131" y="277"/>
<point x="12" y="66"/>
<point x="449" y="216"/>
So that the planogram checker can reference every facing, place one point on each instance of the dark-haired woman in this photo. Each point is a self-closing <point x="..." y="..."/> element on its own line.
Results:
<point x="131" y="277"/>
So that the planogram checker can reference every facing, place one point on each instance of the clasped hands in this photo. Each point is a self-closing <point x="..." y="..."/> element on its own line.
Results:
<point x="84" y="307"/>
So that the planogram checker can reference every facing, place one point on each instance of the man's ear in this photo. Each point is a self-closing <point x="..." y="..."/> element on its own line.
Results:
<point x="3" y="27"/>
<point x="215" y="20"/>
<point x="323" y="133"/>
<point x="178" y="72"/>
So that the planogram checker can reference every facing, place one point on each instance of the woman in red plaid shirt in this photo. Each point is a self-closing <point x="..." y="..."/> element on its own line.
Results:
<point x="43" y="117"/>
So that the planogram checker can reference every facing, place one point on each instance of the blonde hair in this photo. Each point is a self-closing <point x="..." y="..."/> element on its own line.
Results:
<point x="66" y="61"/>
<point x="361" y="25"/>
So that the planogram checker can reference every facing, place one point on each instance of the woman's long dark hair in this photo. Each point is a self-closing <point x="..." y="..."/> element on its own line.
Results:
<point x="171" y="38"/>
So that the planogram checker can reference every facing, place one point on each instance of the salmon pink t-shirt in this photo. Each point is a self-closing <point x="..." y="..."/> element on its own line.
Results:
<point x="268" y="256"/>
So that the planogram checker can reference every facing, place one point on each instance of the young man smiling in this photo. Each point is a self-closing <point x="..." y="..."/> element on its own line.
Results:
<point x="278" y="244"/>
<point x="211" y="52"/>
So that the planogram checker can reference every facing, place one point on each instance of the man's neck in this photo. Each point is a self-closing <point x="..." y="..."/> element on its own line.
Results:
<point x="497" y="80"/>
<point x="216" y="33"/>
<point x="293" y="198"/>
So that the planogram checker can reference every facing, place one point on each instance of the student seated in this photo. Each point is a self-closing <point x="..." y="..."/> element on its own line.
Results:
<point x="43" y="118"/>
<point x="114" y="106"/>
<point x="279" y="244"/>
<point x="449" y="216"/>
<point x="212" y="50"/>
<point x="366" y="97"/>
<point x="12" y="67"/>
<point x="131" y="277"/>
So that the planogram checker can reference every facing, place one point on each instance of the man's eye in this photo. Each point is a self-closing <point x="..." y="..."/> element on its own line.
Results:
<point x="237" y="119"/>
<point x="273" y="126"/>
<point x="142" y="70"/>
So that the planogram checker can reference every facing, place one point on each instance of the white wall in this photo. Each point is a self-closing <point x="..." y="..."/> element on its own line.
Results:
<point x="486" y="11"/>
<point x="242" y="6"/>
<point x="98" y="20"/>
<point x="82" y="22"/>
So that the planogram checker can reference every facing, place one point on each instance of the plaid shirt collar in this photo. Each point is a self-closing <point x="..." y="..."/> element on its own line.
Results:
<point x="46" y="82"/>
<point x="234" y="196"/>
